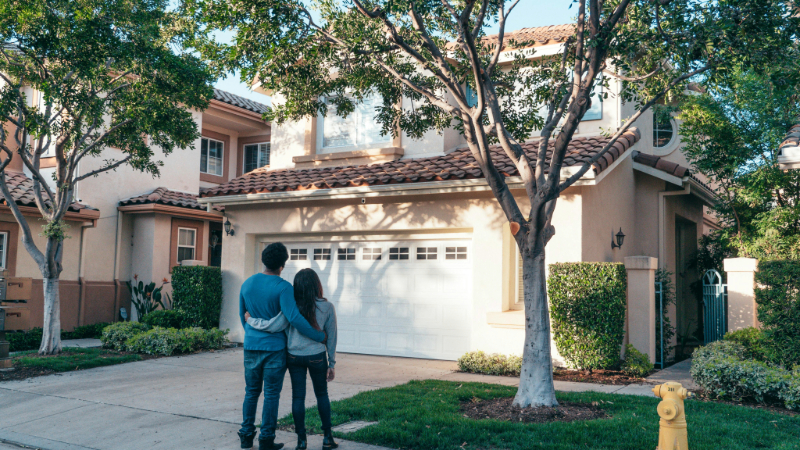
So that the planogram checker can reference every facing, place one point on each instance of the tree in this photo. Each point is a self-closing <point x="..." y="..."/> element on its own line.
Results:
<point x="732" y="134"/>
<point x="108" y="75"/>
<point x="430" y="51"/>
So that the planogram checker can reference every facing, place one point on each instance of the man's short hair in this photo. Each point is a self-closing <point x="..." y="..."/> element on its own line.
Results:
<point x="274" y="256"/>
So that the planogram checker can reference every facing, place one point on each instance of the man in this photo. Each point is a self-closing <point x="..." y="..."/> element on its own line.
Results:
<point x="264" y="295"/>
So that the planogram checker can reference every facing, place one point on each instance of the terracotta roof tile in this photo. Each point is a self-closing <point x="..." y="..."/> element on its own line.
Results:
<point x="792" y="138"/>
<point x="164" y="196"/>
<point x="459" y="164"/>
<point x="659" y="163"/>
<point x="21" y="188"/>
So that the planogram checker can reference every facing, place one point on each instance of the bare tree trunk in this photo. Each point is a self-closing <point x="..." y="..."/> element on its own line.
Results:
<point x="536" y="379"/>
<point x="51" y="333"/>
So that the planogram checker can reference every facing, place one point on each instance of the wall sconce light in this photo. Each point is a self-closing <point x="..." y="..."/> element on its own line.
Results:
<point x="229" y="227"/>
<point x="619" y="237"/>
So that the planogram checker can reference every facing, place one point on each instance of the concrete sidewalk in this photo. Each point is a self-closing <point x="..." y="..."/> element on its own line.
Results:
<point x="191" y="401"/>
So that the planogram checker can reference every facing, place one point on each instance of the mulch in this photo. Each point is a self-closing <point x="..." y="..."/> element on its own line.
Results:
<point x="614" y="377"/>
<point x="21" y="373"/>
<point x="502" y="409"/>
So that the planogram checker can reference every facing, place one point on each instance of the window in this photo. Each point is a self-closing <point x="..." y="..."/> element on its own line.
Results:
<point x="298" y="254"/>
<point x="359" y="128"/>
<point x="663" y="128"/>
<point x="211" y="157"/>
<point x="187" y="242"/>
<point x="3" y="245"/>
<point x="398" y="253"/>
<point x="455" y="253"/>
<point x="426" y="252"/>
<point x="346" y="254"/>
<point x="255" y="156"/>
<point x="322" y="254"/>
<point x="372" y="254"/>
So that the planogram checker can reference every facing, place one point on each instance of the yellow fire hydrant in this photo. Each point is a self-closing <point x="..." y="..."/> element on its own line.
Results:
<point x="672" y="426"/>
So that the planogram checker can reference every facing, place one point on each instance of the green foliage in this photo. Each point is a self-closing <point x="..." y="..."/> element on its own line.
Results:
<point x="92" y="331"/>
<point x="197" y="294"/>
<point x="636" y="363"/>
<point x="75" y="359"/>
<point x="752" y="340"/>
<point x="146" y="298"/>
<point x="588" y="303"/>
<point x="490" y="364"/>
<point x="169" y="341"/>
<point x="116" y="336"/>
<point x="164" y="318"/>
<point x="778" y="299"/>
<point x="721" y="368"/>
<point x="56" y="230"/>
<point x="668" y="298"/>
<point x="28" y="340"/>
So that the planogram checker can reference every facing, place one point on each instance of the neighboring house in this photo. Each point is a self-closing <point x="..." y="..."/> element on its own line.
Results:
<point x="789" y="151"/>
<point x="138" y="225"/>
<point x="410" y="243"/>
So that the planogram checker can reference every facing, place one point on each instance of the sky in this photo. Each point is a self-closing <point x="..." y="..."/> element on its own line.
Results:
<point x="528" y="13"/>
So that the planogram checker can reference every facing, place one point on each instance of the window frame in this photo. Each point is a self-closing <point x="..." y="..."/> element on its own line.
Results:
<point x="179" y="246"/>
<point x="259" y="163"/>
<point x="368" y="254"/>
<point x="456" y="253"/>
<point x="656" y="129"/>
<point x="221" y="158"/>
<point x="427" y="253"/>
<point x="357" y="117"/>
<point x="301" y="253"/>
<point x="4" y="250"/>
<point x="398" y="254"/>
<point x="322" y="255"/>
<point x="346" y="254"/>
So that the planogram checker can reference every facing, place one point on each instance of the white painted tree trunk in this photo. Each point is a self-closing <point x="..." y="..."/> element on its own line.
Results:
<point x="51" y="334"/>
<point x="536" y="378"/>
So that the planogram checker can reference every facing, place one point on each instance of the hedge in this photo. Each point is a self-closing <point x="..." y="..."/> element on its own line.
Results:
<point x="778" y="299"/>
<point x="117" y="335"/>
<point x="32" y="339"/>
<point x="197" y="294"/>
<point x="166" y="318"/>
<point x="138" y="337"/>
<point x="490" y="364"/>
<point x="588" y="303"/>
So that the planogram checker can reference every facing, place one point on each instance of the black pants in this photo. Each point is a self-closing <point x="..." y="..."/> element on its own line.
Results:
<point x="317" y="367"/>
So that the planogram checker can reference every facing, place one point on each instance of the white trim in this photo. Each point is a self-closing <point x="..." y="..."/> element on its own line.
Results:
<point x="658" y="174"/>
<point x="193" y="246"/>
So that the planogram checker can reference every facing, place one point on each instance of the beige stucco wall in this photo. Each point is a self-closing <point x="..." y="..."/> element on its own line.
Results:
<point x="26" y="266"/>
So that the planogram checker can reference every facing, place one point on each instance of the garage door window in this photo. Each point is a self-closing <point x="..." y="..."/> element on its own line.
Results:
<point x="298" y="254"/>
<point x="322" y="254"/>
<point x="455" y="253"/>
<point x="426" y="253"/>
<point x="372" y="254"/>
<point x="398" y="253"/>
<point x="346" y="254"/>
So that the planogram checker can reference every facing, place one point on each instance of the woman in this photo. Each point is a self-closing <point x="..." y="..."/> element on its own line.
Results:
<point x="306" y="355"/>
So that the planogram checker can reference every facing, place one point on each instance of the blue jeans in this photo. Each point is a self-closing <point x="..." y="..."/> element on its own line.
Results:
<point x="267" y="368"/>
<point x="317" y="367"/>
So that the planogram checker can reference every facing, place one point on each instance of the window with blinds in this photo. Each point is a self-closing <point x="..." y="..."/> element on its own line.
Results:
<point x="255" y="156"/>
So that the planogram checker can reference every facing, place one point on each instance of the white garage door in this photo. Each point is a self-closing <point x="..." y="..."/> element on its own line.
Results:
<point x="401" y="298"/>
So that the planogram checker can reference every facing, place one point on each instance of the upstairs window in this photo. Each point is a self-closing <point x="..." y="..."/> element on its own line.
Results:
<point x="663" y="128"/>
<point x="255" y="156"/>
<point x="359" y="129"/>
<point x="211" y="157"/>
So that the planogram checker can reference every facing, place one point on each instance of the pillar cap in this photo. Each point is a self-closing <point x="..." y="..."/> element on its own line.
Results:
<point x="740" y="264"/>
<point x="641" y="263"/>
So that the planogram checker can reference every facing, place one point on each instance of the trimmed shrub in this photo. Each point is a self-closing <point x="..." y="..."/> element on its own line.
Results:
<point x="588" y="303"/>
<point x="752" y="340"/>
<point x="197" y="294"/>
<point x="93" y="331"/>
<point x="165" y="318"/>
<point x="490" y="364"/>
<point x="721" y="370"/>
<point x="169" y="341"/>
<point x="117" y="335"/>
<point x="636" y="363"/>
<point x="778" y="299"/>
<point x="29" y="340"/>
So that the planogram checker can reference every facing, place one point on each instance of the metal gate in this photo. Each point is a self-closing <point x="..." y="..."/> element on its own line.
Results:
<point x="660" y="331"/>
<point x="715" y="307"/>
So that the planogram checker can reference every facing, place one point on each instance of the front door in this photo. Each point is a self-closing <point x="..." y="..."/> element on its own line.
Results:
<point x="215" y="244"/>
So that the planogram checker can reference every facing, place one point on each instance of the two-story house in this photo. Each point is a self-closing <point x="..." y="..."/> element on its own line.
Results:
<point x="411" y="245"/>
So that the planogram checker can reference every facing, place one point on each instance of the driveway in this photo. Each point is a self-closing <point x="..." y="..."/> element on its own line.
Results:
<point x="189" y="401"/>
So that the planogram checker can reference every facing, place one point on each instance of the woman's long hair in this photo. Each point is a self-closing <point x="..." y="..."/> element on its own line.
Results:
<point x="307" y="289"/>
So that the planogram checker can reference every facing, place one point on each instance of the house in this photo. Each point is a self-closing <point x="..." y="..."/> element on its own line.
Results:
<point x="789" y="150"/>
<point x="411" y="245"/>
<point x="137" y="225"/>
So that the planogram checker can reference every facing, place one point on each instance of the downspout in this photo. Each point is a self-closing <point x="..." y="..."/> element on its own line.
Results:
<point x="662" y="225"/>
<point x="117" y="241"/>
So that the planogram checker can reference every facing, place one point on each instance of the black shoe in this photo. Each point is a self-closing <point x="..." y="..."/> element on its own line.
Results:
<point x="268" y="444"/>
<point x="302" y="442"/>
<point x="327" y="441"/>
<point x="247" y="439"/>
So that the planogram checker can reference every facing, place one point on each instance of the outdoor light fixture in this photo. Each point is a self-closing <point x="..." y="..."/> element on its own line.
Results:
<point x="228" y="227"/>
<point x="619" y="237"/>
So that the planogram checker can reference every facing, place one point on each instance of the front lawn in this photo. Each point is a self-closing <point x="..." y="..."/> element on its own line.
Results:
<point x="30" y="364"/>
<point x="425" y="415"/>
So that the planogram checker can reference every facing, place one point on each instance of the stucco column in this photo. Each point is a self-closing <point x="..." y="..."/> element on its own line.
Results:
<point x="642" y="303"/>
<point x="741" y="292"/>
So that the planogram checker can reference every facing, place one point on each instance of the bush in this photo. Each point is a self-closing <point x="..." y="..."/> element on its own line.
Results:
<point x="588" y="303"/>
<point x="117" y="335"/>
<point x="168" y="341"/>
<point x="168" y="318"/>
<point x="93" y="331"/>
<point x="778" y="299"/>
<point x="490" y="364"/>
<point x="721" y="370"/>
<point x="753" y="342"/>
<point x="636" y="363"/>
<point x="197" y="294"/>
<point x="29" y="340"/>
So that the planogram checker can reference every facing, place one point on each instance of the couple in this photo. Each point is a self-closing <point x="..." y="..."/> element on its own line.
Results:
<point x="277" y="317"/>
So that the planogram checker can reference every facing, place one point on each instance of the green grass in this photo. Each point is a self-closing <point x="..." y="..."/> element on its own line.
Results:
<point x="75" y="359"/>
<point x="425" y="415"/>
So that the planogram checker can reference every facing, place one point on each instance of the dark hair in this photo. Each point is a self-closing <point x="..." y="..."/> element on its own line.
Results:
<point x="307" y="289"/>
<point x="274" y="256"/>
